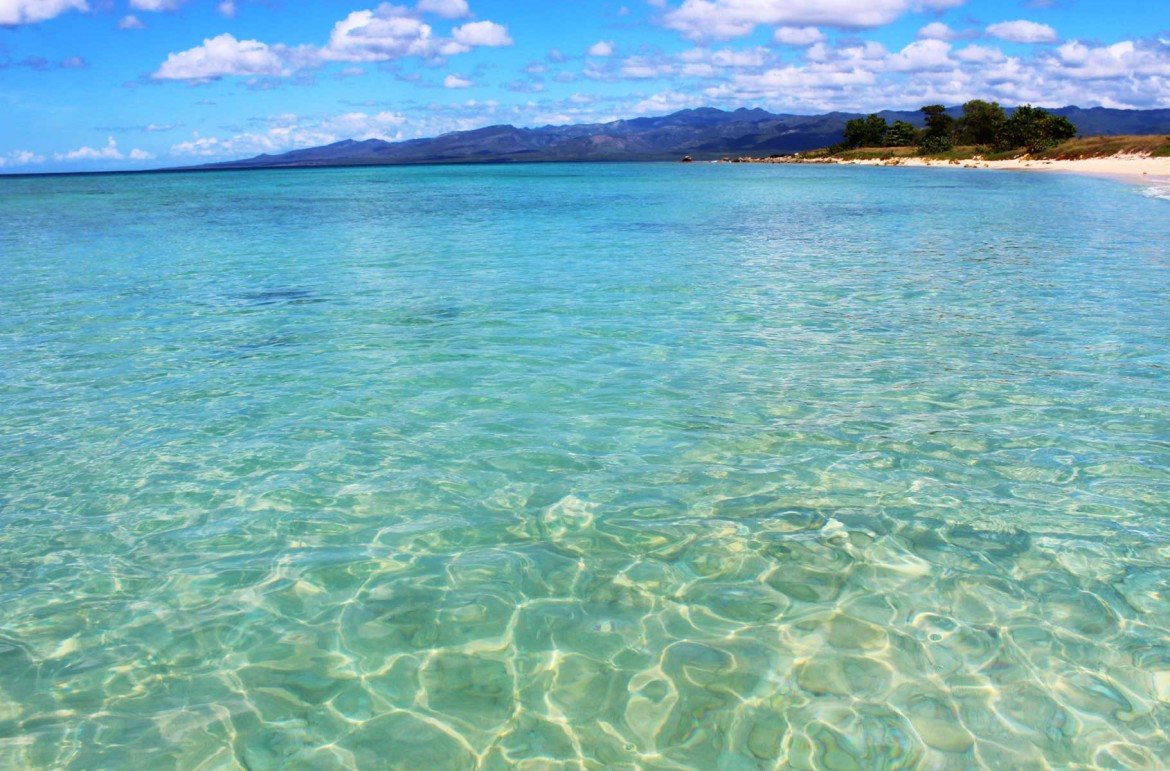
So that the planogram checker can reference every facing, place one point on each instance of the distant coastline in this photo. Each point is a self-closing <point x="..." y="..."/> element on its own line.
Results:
<point x="703" y="133"/>
<point x="1134" y="157"/>
<point x="1129" y="165"/>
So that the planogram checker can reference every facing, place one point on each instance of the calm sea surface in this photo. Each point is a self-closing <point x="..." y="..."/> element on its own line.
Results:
<point x="631" y="466"/>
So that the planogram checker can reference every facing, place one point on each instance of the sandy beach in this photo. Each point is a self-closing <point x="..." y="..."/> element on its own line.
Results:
<point x="1135" y="167"/>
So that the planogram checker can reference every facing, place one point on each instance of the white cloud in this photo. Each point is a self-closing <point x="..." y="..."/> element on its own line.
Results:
<point x="385" y="33"/>
<point x="640" y="68"/>
<point x="227" y="9"/>
<point x="108" y="153"/>
<point x="1120" y="60"/>
<point x="936" y="31"/>
<point x="21" y="158"/>
<point x="727" y="57"/>
<point x="601" y="48"/>
<point x="219" y="56"/>
<point x="1023" y="31"/>
<point x="723" y="19"/>
<point x="156" y="5"/>
<point x="920" y="56"/>
<point x="802" y="77"/>
<point x="290" y="132"/>
<point x="665" y="102"/>
<point x="456" y="82"/>
<point x="198" y="146"/>
<point x="390" y="33"/>
<point x="979" y="54"/>
<point x="372" y="36"/>
<point x="29" y="11"/>
<point x="130" y="21"/>
<point x="448" y="9"/>
<point x="863" y="75"/>
<point x="797" y="36"/>
<point x="482" y="33"/>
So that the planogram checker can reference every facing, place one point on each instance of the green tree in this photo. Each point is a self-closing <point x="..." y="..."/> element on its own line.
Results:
<point x="901" y="134"/>
<point x="1060" y="128"/>
<point x="865" y="132"/>
<point x="1036" y="130"/>
<point x="938" y="137"/>
<point x="982" y="123"/>
<point x="854" y="132"/>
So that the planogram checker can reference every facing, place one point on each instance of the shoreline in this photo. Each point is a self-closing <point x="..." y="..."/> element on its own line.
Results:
<point x="1131" y="167"/>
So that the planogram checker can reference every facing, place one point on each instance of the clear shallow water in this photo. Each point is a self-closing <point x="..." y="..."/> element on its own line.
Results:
<point x="604" y="466"/>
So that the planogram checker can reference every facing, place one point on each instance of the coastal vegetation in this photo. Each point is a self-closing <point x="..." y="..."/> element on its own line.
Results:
<point x="984" y="125"/>
<point x="1080" y="148"/>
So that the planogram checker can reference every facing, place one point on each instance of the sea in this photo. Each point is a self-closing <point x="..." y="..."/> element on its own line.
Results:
<point x="611" y="466"/>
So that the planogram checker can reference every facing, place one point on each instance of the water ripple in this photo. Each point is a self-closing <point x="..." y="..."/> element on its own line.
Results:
<point x="584" y="467"/>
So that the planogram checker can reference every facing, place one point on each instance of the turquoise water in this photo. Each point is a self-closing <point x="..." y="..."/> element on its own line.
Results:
<point x="662" y="466"/>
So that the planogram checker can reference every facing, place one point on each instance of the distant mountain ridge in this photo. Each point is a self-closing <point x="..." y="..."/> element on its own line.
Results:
<point x="703" y="133"/>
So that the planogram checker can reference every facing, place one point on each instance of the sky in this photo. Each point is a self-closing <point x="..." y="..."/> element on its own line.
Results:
<point x="130" y="84"/>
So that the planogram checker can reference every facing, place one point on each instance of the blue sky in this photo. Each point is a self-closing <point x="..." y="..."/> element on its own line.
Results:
<point x="113" y="84"/>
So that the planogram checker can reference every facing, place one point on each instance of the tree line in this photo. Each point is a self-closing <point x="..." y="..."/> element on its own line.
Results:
<point x="983" y="124"/>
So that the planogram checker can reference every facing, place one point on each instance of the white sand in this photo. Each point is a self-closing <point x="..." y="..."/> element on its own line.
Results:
<point x="1131" y="166"/>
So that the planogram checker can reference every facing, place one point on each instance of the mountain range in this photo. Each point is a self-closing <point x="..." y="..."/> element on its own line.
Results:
<point x="703" y="133"/>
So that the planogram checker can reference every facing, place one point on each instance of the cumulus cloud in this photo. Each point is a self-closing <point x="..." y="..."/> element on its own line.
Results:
<point x="227" y="9"/>
<point x="865" y="76"/>
<point x="642" y="68"/>
<point x="726" y="57"/>
<point x="378" y="35"/>
<point x="723" y="19"/>
<point x="199" y="146"/>
<point x="921" y="56"/>
<point x="797" y="36"/>
<point x="21" y="158"/>
<point x="448" y="9"/>
<point x="848" y="73"/>
<point x="219" y="56"/>
<point x="371" y="36"/>
<point x="108" y="153"/>
<point x="1120" y="60"/>
<point x="601" y="48"/>
<point x="979" y="54"/>
<point x="156" y="5"/>
<point x="936" y="31"/>
<point x="1023" y="31"/>
<point x="30" y="11"/>
<point x="130" y="21"/>
<point x="858" y="74"/>
<point x="482" y="33"/>
<point x="665" y="102"/>
<point x="281" y="133"/>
